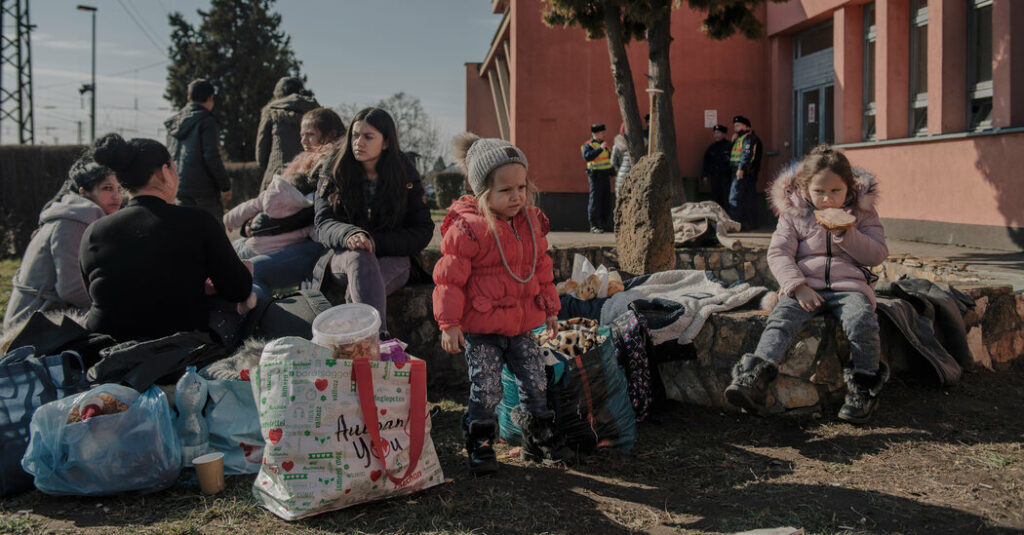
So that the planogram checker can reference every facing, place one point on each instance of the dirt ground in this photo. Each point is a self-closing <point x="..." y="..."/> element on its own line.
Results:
<point x="933" y="461"/>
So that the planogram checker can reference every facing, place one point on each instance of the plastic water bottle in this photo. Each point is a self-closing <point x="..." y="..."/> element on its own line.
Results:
<point x="189" y="397"/>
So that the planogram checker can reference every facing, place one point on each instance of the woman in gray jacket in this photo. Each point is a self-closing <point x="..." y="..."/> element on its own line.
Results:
<point x="50" y="277"/>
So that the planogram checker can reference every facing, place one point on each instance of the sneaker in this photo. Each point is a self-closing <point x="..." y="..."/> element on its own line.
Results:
<point x="596" y="230"/>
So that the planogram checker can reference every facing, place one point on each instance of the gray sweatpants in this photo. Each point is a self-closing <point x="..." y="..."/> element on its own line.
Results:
<point x="852" y="309"/>
<point x="370" y="279"/>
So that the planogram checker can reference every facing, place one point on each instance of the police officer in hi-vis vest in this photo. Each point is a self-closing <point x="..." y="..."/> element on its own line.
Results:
<point x="599" y="173"/>
<point x="745" y="159"/>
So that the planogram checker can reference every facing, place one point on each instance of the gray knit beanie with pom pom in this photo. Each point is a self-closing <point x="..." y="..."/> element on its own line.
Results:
<point x="479" y="156"/>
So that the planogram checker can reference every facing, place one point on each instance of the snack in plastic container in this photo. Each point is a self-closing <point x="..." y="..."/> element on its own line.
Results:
<point x="351" y="330"/>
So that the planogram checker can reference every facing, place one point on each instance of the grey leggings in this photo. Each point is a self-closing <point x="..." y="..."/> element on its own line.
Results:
<point x="370" y="279"/>
<point x="852" y="309"/>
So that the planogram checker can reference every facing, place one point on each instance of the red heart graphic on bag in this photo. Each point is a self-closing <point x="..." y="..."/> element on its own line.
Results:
<point x="287" y="465"/>
<point x="374" y="475"/>
<point x="244" y="374"/>
<point x="385" y="447"/>
<point x="264" y="483"/>
<point x="321" y="384"/>
<point x="348" y="491"/>
<point x="383" y="412"/>
<point x="275" y="435"/>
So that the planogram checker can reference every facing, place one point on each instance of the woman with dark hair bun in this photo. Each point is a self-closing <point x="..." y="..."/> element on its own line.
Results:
<point x="371" y="211"/>
<point x="146" y="266"/>
<point x="50" y="277"/>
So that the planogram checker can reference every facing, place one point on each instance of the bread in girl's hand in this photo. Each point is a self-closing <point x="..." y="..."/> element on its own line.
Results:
<point x="588" y="290"/>
<point x="835" y="218"/>
<point x="566" y="287"/>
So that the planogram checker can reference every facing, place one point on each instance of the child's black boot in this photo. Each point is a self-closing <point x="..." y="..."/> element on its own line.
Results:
<point x="862" y="393"/>
<point x="542" y="443"/>
<point x="750" y="379"/>
<point x="480" y="446"/>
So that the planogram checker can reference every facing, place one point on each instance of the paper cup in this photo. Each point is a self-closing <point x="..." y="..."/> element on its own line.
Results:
<point x="210" y="470"/>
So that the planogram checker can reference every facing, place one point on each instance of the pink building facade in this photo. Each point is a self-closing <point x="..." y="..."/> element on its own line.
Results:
<point x="927" y="94"/>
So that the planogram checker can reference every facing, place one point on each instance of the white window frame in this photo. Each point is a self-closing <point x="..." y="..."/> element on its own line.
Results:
<point x="869" y="108"/>
<point x="918" y="99"/>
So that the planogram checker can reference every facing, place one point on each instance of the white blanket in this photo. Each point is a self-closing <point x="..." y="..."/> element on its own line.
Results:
<point x="699" y="297"/>
<point x="691" y="220"/>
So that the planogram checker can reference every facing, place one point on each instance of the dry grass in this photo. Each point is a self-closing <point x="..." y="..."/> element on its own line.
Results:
<point x="932" y="462"/>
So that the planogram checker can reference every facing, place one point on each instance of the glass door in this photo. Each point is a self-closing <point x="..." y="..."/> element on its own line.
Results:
<point x="814" y="118"/>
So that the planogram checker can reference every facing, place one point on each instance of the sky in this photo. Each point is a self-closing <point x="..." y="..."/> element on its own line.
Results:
<point x="352" y="52"/>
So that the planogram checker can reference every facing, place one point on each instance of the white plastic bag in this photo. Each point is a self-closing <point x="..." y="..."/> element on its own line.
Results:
<point x="582" y="270"/>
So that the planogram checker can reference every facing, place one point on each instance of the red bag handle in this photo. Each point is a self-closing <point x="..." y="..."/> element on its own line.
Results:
<point x="417" y="412"/>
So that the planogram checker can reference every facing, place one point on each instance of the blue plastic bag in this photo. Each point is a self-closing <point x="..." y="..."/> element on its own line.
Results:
<point x="135" y="450"/>
<point x="234" y="425"/>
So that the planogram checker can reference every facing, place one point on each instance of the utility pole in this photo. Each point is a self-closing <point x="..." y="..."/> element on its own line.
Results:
<point x="16" y="52"/>
<point x="91" y="88"/>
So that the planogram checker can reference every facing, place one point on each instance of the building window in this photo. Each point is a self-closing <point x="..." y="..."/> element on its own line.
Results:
<point x="814" y="40"/>
<point x="870" y="35"/>
<point x="979" y="65"/>
<point x="919" y="68"/>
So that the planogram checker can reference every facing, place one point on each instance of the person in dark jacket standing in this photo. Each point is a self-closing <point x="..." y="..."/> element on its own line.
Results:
<point x="371" y="211"/>
<point x="193" y="143"/>
<point x="745" y="159"/>
<point x="146" y="266"/>
<point x="278" y="140"/>
<point x="599" y="173"/>
<point x="715" y="170"/>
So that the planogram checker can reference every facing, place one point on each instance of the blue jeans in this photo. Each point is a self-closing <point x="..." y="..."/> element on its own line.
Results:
<point x="852" y="309"/>
<point x="485" y="353"/>
<point x="599" y="203"/>
<point x="742" y="197"/>
<point x="280" y="269"/>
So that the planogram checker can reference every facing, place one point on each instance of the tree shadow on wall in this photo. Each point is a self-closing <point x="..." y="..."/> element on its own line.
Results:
<point x="998" y="162"/>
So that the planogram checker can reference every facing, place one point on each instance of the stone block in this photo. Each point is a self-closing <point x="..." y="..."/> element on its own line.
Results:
<point x="699" y="263"/>
<point x="1002" y="329"/>
<point x="794" y="393"/>
<point x="749" y="273"/>
<point x="729" y="276"/>
<point x="715" y="260"/>
<point x="800" y="358"/>
<point x="978" y="350"/>
<point x="643" y="219"/>
<point x="411" y="319"/>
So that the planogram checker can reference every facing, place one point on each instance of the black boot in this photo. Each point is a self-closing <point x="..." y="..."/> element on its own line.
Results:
<point x="479" y="447"/>
<point x="750" y="379"/>
<point x="542" y="443"/>
<point x="862" y="394"/>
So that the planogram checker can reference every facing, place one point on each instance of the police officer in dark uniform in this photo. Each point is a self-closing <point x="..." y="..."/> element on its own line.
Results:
<point x="716" y="170"/>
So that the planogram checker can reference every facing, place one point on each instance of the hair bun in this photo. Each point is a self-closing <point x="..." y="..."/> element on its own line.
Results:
<point x="460" y="147"/>
<point x="114" y="152"/>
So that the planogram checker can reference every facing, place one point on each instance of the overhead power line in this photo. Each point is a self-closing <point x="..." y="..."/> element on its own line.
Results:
<point x="163" y="52"/>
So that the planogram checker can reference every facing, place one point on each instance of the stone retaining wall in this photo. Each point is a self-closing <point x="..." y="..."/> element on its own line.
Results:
<point x="811" y="375"/>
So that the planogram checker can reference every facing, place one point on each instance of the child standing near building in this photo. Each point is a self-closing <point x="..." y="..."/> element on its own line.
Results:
<point x="821" y="267"/>
<point x="494" y="286"/>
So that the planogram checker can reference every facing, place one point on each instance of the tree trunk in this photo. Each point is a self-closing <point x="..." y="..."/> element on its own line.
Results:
<point x="623" y="77"/>
<point x="664" y="135"/>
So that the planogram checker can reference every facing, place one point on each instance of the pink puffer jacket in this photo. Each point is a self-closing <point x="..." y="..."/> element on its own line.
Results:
<point x="279" y="200"/>
<point x="803" y="252"/>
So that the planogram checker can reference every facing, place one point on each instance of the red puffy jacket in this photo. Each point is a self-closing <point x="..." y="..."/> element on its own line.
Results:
<point x="475" y="291"/>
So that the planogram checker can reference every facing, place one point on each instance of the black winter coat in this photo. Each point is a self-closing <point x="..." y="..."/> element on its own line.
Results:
<point x="406" y="239"/>
<point x="193" y="143"/>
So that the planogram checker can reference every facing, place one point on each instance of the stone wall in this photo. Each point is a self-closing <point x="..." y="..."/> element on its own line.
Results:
<point x="811" y="375"/>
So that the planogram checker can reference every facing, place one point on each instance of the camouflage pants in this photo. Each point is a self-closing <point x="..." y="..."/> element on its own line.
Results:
<point x="485" y="353"/>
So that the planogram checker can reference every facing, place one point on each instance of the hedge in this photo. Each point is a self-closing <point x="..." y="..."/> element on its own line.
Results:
<point x="448" y="186"/>
<point x="31" y="174"/>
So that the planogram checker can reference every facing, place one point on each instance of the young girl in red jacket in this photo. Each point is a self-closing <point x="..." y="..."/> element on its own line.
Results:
<point x="494" y="286"/>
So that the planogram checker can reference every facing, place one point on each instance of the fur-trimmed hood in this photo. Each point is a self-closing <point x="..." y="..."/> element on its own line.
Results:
<point x="785" y="197"/>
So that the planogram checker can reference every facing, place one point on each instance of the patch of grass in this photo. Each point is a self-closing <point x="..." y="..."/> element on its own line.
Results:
<point x="15" y="523"/>
<point x="437" y="214"/>
<point x="8" y="268"/>
<point x="997" y="461"/>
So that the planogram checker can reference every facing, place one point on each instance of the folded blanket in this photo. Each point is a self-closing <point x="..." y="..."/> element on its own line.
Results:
<point x="697" y="296"/>
<point x="691" y="220"/>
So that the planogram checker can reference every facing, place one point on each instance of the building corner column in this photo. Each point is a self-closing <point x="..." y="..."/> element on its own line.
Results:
<point x="848" y="60"/>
